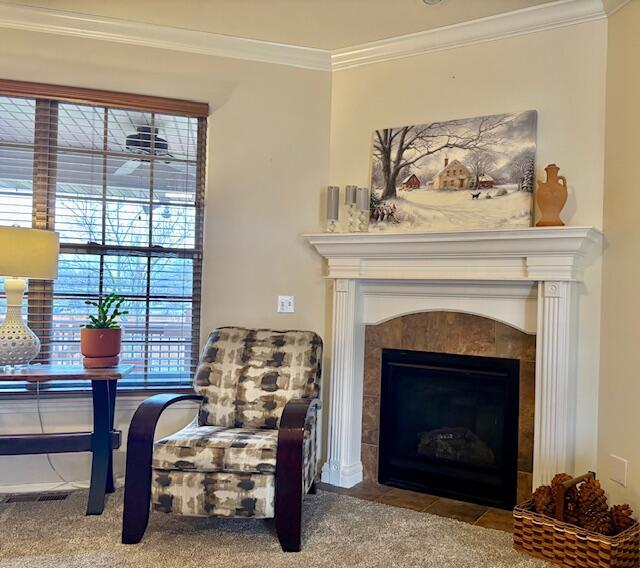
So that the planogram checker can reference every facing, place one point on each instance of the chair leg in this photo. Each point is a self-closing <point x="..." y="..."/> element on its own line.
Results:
<point x="137" y="500"/>
<point x="289" y="492"/>
<point x="313" y="490"/>
<point x="289" y="525"/>
<point x="137" y="484"/>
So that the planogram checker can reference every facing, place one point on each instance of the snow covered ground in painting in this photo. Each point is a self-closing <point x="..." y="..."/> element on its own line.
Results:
<point x="445" y="210"/>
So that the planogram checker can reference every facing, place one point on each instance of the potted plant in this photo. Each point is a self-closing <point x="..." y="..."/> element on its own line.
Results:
<point x="100" y="339"/>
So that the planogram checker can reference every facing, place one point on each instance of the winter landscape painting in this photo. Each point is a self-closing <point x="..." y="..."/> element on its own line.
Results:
<point x="470" y="173"/>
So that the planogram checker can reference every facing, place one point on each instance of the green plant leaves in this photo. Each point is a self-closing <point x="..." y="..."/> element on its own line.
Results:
<point x="109" y="311"/>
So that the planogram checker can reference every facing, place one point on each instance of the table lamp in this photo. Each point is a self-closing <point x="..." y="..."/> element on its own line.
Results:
<point x="24" y="253"/>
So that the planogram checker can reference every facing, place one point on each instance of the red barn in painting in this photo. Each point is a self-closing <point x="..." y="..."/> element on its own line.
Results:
<point x="411" y="182"/>
<point x="485" y="182"/>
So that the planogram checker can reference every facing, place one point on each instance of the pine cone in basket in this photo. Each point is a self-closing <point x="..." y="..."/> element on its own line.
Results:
<point x="593" y="511"/>
<point x="570" y="497"/>
<point x="543" y="501"/>
<point x="558" y="480"/>
<point x="571" y="515"/>
<point x="621" y="518"/>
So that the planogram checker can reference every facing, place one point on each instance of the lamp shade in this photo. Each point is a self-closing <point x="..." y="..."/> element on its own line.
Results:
<point x="29" y="253"/>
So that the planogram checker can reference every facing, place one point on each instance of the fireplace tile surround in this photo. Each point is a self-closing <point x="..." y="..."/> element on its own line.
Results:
<point x="527" y="279"/>
<point x="458" y="334"/>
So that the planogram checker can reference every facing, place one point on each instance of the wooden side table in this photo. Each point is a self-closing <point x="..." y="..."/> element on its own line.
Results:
<point x="101" y="442"/>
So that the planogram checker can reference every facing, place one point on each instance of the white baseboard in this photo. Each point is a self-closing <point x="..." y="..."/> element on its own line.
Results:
<point x="342" y="475"/>
<point x="52" y="486"/>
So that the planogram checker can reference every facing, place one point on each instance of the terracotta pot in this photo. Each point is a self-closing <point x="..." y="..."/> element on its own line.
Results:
<point x="100" y="362"/>
<point x="100" y="342"/>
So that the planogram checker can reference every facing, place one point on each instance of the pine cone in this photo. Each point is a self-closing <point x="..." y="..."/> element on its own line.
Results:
<point x="543" y="500"/>
<point x="557" y="481"/>
<point x="571" y="511"/>
<point x="570" y="497"/>
<point x="621" y="518"/>
<point x="593" y="511"/>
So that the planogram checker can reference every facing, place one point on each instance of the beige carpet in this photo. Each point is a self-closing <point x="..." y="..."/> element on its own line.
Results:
<point x="338" y="531"/>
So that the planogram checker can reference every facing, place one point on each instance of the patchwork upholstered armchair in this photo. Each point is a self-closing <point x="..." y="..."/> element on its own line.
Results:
<point x="251" y="450"/>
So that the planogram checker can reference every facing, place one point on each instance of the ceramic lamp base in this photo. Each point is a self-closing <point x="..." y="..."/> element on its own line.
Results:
<point x="18" y="344"/>
<point x="100" y="362"/>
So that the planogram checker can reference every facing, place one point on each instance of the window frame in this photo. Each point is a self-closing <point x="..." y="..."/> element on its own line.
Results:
<point x="41" y="292"/>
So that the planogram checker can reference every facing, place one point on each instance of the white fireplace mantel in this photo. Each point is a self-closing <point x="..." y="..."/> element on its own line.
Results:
<point x="541" y="253"/>
<point x="486" y="272"/>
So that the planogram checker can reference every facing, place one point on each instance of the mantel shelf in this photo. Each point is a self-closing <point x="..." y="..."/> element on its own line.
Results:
<point x="535" y="253"/>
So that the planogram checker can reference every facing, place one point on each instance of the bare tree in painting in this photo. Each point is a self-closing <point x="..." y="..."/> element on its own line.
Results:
<point x="400" y="148"/>
<point x="479" y="162"/>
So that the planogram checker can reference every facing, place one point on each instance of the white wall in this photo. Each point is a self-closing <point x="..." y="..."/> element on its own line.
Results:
<point x="33" y="473"/>
<point x="619" y="419"/>
<point x="268" y="157"/>
<point x="559" y="73"/>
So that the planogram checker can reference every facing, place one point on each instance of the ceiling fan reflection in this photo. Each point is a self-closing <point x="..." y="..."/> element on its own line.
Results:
<point x="146" y="142"/>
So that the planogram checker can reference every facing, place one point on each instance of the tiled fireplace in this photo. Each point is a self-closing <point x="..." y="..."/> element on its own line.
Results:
<point x="484" y="292"/>
<point x="440" y="335"/>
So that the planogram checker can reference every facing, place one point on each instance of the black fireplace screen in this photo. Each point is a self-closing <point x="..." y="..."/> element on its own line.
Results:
<point x="449" y="425"/>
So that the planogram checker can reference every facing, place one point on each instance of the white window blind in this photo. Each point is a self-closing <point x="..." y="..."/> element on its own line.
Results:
<point x="124" y="188"/>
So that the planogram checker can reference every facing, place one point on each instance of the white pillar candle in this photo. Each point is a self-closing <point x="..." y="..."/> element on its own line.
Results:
<point x="333" y="202"/>
<point x="350" y="194"/>
<point x="362" y="199"/>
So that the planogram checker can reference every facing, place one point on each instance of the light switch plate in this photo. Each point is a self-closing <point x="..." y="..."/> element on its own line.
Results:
<point x="618" y="468"/>
<point x="286" y="305"/>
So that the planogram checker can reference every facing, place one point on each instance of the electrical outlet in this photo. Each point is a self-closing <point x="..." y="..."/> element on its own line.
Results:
<point x="618" y="468"/>
<point x="286" y="305"/>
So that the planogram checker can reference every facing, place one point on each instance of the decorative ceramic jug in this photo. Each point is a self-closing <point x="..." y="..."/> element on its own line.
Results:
<point x="551" y="197"/>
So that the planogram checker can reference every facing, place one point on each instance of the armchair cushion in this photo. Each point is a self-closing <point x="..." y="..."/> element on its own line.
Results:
<point x="246" y="376"/>
<point x="213" y="494"/>
<point x="231" y="450"/>
<point x="206" y="471"/>
<point x="216" y="448"/>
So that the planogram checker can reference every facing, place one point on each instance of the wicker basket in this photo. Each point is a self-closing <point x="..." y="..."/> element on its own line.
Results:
<point x="571" y="546"/>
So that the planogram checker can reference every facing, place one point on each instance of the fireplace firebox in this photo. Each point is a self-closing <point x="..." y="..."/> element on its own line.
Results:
<point x="449" y="425"/>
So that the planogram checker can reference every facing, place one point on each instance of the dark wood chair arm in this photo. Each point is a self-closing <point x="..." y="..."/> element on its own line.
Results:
<point x="296" y="413"/>
<point x="137" y="486"/>
<point x="144" y="421"/>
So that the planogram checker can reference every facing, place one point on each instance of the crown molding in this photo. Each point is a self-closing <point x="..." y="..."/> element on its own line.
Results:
<point x="519" y="22"/>
<point x="163" y="37"/>
<point x="617" y="5"/>
<point x="529" y="20"/>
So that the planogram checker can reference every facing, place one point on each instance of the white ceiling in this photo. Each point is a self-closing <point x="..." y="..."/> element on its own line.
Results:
<point x="324" y="24"/>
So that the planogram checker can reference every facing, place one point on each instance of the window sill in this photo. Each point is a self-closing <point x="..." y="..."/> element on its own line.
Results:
<point x="66" y="393"/>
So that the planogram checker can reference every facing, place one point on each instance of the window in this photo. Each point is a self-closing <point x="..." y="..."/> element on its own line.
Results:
<point x="123" y="183"/>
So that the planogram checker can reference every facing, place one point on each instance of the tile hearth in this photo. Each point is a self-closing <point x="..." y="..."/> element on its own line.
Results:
<point x="479" y="515"/>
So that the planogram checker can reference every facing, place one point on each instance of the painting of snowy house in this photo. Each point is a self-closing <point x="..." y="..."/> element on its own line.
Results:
<point x="453" y="175"/>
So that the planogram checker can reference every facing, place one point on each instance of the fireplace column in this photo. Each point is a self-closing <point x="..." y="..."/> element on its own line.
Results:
<point x="343" y="467"/>
<point x="555" y="381"/>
